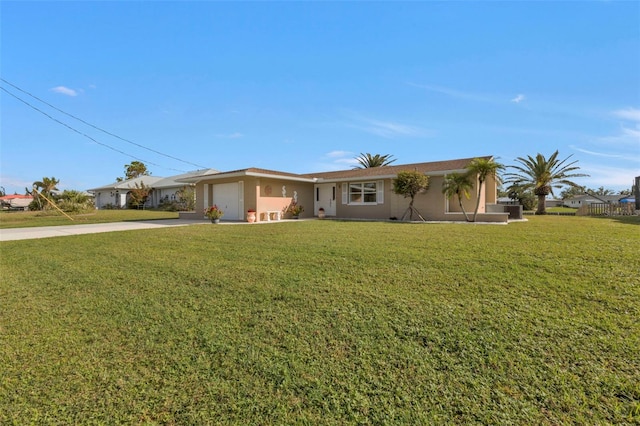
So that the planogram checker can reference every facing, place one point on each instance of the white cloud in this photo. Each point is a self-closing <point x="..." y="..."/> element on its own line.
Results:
<point x="631" y="114"/>
<point x="338" y="154"/>
<point x="235" y="135"/>
<point x="454" y="93"/>
<point x="389" y="129"/>
<point x="348" y="161"/>
<point x="385" y="129"/>
<point x="518" y="98"/>
<point x="337" y="160"/>
<point x="626" y="137"/>
<point x="64" y="91"/>
<point x="614" y="176"/>
<point x="597" y="154"/>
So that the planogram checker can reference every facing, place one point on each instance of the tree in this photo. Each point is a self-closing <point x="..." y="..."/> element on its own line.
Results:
<point x="367" y="160"/>
<point x="187" y="198"/>
<point x="409" y="184"/>
<point x="542" y="175"/>
<point x="43" y="189"/>
<point x="134" y="170"/>
<point x="483" y="168"/>
<point x="139" y="194"/>
<point x="573" y="191"/>
<point x="525" y="197"/>
<point x="603" y="191"/>
<point x="458" y="184"/>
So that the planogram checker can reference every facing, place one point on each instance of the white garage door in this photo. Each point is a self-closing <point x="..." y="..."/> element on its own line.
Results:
<point x="229" y="198"/>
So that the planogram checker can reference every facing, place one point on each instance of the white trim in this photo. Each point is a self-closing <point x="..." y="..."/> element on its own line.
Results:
<point x="377" y="177"/>
<point x="243" y="173"/>
<point x="380" y="190"/>
<point x="241" y="199"/>
<point x="363" y="192"/>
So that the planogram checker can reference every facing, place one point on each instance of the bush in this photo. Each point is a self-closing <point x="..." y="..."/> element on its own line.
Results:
<point x="70" y="206"/>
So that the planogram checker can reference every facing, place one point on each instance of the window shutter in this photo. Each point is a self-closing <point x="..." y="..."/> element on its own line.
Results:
<point x="345" y="193"/>
<point x="380" y="188"/>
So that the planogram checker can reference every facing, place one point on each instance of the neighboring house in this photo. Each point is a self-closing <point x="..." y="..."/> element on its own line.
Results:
<point x="587" y="200"/>
<point x="552" y="202"/>
<point x="16" y="202"/>
<point x="349" y="194"/>
<point x="117" y="194"/>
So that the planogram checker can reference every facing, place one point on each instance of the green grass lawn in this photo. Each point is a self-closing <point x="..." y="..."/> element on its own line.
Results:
<point x="54" y="218"/>
<point x="325" y="322"/>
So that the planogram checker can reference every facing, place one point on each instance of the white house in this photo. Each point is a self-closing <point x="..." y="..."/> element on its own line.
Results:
<point x="116" y="195"/>
<point x="587" y="200"/>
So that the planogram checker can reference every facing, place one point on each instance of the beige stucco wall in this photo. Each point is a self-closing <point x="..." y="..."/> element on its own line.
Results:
<point x="368" y="211"/>
<point x="271" y="197"/>
<point x="265" y="194"/>
<point x="260" y="194"/>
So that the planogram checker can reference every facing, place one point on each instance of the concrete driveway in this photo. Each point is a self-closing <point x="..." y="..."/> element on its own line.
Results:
<point x="65" y="230"/>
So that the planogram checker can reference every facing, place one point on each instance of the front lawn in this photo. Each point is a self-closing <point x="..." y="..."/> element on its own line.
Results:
<point x="54" y="218"/>
<point x="325" y="322"/>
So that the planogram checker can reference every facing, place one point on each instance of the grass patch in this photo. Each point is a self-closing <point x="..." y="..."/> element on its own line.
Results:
<point x="54" y="218"/>
<point x="325" y="322"/>
<point x="561" y="209"/>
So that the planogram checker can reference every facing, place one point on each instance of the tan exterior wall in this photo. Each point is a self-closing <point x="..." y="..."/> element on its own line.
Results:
<point x="266" y="194"/>
<point x="260" y="194"/>
<point x="368" y="211"/>
<point x="272" y="197"/>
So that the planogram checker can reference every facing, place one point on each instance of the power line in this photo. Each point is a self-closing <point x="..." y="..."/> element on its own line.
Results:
<point x="84" y="134"/>
<point x="100" y="129"/>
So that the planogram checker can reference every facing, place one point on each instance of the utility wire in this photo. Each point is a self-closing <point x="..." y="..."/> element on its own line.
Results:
<point x="100" y="129"/>
<point x="84" y="134"/>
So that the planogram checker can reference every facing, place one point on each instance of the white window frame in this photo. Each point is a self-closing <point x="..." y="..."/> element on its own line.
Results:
<point x="377" y="191"/>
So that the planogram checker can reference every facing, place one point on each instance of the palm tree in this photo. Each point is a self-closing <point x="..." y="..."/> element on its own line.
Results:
<point x="483" y="168"/>
<point x="458" y="184"/>
<point x="45" y="187"/>
<point x="542" y="175"/>
<point x="367" y="160"/>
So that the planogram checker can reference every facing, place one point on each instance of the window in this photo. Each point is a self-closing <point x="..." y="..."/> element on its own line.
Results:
<point x="363" y="193"/>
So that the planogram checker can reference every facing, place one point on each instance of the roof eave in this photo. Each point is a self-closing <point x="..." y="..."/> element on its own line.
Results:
<point x="386" y="176"/>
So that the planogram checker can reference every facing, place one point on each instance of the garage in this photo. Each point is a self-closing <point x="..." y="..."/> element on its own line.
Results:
<point x="229" y="198"/>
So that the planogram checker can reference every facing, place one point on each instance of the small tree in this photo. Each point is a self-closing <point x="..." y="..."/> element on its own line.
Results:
<point x="410" y="184"/>
<point x="139" y="194"/>
<point x="458" y="184"/>
<point x="523" y="196"/>
<point x="187" y="198"/>
<point x="483" y="168"/>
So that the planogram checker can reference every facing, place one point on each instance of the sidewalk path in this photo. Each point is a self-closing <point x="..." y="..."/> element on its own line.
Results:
<point x="11" y="234"/>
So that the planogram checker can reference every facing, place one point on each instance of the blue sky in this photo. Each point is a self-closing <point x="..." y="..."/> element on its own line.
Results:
<point x="307" y="86"/>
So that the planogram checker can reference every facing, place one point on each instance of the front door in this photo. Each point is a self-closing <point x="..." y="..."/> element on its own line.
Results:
<point x="325" y="197"/>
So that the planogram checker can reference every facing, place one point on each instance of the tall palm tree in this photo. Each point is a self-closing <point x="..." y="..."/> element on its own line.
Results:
<point x="483" y="168"/>
<point x="367" y="160"/>
<point x="542" y="175"/>
<point x="458" y="184"/>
